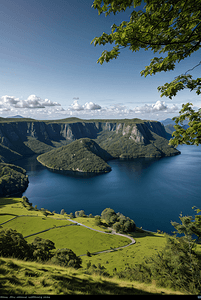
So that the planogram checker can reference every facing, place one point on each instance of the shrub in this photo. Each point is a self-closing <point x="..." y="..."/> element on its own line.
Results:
<point x="98" y="220"/>
<point x="66" y="258"/>
<point x="42" y="249"/>
<point x="13" y="244"/>
<point x="71" y="215"/>
<point x="118" y="221"/>
<point x="62" y="212"/>
<point x="80" y="213"/>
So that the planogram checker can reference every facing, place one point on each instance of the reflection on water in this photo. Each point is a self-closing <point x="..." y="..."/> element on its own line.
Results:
<point x="30" y="164"/>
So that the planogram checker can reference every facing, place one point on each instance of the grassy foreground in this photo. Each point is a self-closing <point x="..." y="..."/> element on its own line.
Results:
<point x="31" y="278"/>
<point x="20" y="277"/>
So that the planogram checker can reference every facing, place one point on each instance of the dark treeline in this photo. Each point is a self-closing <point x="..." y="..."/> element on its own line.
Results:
<point x="13" y="179"/>
<point x="13" y="244"/>
<point x="108" y="218"/>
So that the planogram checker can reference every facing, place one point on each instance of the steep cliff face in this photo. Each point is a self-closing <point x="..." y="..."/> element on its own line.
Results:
<point x="27" y="138"/>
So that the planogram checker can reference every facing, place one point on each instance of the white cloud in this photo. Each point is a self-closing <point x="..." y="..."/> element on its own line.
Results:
<point x="43" y="109"/>
<point x="46" y="102"/>
<point x="76" y="106"/>
<point x="157" y="107"/>
<point x="87" y="106"/>
<point x="91" y="106"/>
<point x="8" y="100"/>
<point x="32" y="101"/>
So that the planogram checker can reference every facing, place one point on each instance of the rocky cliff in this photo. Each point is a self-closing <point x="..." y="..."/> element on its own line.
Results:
<point x="24" y="138"/>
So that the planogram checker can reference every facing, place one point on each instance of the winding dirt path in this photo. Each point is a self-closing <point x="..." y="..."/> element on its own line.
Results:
<point x="80" y="224"/>
<point x="112" y="232"/>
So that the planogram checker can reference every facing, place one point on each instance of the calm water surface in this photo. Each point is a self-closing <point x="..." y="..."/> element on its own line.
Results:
<point x="151" y="192"/>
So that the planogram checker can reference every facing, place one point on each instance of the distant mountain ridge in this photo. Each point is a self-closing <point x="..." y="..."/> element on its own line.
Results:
<point x="169" y="126"/>
<point x="16" y="117"/>
<point x="120" y="138"/>
<point x="172" y="122"/>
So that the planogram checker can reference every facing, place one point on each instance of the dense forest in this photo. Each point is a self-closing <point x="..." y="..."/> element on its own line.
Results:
<point x="13" y="179"/>
<point x="83" y="155"/>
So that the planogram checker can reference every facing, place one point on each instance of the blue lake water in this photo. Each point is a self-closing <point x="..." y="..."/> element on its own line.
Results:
<point x="151" y="192"/>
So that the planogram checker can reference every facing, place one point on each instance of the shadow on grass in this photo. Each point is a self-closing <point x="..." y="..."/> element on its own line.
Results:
<point x="6" y="201"/>
<point x="8" y="214"/>
<point x="141" y="233"/>
<point x="89" y="286"/>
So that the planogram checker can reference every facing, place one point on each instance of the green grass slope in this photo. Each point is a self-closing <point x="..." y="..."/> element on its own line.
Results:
<point x="77" y="238"/>
<point x="83" y="155"/>
<point x="81" y="239"/>
<point x="32" y="278"/>
<point x="147" y="244"/>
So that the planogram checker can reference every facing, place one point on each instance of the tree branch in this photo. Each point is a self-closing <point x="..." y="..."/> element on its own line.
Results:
<point x="193" y="68"/>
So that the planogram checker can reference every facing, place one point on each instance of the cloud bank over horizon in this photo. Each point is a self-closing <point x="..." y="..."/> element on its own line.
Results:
<point x="43" y="109"/>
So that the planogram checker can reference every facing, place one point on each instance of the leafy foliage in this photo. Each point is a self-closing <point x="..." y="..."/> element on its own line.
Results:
<point x="172" y="27"/>
<point x="66" y="258"/>
<point x="42" y="249"/>
<point x="178" y="265"/>
<point x="118" y="221"/>
<point x="97" y="220"/>
<point x="12" y="244"/>
<point x="80" y="213"/>
<point x="191" y="135"/>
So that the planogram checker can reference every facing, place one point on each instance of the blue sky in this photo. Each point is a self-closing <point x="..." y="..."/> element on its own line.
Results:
<point x="49" y="70"/>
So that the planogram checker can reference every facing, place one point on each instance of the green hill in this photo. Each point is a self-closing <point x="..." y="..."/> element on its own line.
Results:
<point x="83" y="155"/>
<point x="31" y="278"/>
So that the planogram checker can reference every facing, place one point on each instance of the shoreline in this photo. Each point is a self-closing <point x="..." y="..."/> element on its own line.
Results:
<point x="76" y="173"/>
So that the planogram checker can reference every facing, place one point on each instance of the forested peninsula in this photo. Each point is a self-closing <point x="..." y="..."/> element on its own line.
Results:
<point x="83" y="156"/>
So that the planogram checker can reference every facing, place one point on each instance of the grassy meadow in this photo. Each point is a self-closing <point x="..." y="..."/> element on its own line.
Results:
<point x="146" y="245"/>
<point x="80" y="239"/>
<point x="20" y="277"/>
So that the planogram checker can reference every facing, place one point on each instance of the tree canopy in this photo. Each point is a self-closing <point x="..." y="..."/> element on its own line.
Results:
<point x="118" y="221"/>
<point x="170" y="28"/>
<point x="192" y="135"/>
<point x="178" y="265"/>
